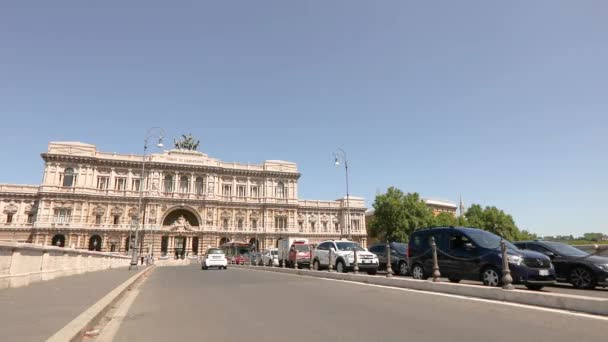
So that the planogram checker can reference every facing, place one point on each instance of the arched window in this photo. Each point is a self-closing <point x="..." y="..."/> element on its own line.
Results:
<point x="58" y="240"/>
<point x="200" y="185"/>
<point x="69" y="177"/>
<point x="95" y="243"/>
<point x="183" y="184"/>
<point x="280" y="191"/>
<point x="168" y="183"/>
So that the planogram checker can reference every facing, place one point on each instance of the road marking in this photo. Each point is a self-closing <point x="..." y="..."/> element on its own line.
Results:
<point x="525" y="306"/>
<point x="109" y="331"/>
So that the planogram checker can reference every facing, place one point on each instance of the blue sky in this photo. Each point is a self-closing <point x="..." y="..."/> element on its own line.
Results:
<point x="505" y="103"/>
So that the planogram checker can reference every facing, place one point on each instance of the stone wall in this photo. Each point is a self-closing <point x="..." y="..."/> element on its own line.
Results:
<point x="22" y="264"/>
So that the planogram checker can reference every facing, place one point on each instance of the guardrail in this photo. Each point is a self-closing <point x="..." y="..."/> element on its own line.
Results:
<point x="22" y="264"/>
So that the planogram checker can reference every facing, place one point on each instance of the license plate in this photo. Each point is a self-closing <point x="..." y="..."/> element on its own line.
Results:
<point x="543" y="272"/>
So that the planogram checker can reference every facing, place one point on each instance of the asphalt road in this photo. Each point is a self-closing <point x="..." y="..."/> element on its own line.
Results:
<point x="178" y="303"/>
<point x="35" y="312"/>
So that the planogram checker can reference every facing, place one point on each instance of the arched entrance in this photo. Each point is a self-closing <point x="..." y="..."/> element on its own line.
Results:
<point x="175" y="218"/>
<point x="180" y="246"/>
<point x="224" y="241"/>
<point x="255" y="243"/>
<point x="58" y="240"/>
<point x="95" y="243"/>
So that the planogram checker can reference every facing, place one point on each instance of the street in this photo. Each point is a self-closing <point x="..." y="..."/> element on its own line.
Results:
<point x="237" y="305"/>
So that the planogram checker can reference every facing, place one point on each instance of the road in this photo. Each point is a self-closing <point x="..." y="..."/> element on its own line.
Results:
<point x="186" y="303"/>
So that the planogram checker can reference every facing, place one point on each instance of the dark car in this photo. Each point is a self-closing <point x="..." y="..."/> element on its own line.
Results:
<point x="398" y="257"/>
<point x="572" y="265"/>
<point x="475" y="254"/>
<point x="256" y="258"/>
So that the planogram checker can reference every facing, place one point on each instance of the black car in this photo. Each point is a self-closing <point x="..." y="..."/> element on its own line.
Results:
<point x="398" y="257"/>
<point x="572" y="265"/>
<point x="475" y="254"/>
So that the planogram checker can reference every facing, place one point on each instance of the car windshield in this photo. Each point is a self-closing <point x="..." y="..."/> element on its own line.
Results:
<point x="348" y="246"/>
<point x="215" y="251"/>
<point x="274" y="252"/>
<point x="566" y="250"/>
<point x="488" y="240"/>
<point x="401" y="248"/>
<point x="301" y="248"/>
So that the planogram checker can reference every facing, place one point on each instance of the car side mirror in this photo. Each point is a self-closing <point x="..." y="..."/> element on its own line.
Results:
<point x="469" y="246"/>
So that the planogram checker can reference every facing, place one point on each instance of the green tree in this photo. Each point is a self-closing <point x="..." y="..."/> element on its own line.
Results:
<point x="397" y="214"/>
<point x="493" y="220"/>
<point x="446" y="219"/>
<point x="593" y="236"/>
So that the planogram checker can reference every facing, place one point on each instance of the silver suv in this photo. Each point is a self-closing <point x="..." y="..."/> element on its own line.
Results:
<point x="343" y="256"/>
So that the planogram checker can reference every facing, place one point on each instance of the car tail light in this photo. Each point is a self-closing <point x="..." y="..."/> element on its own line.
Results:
<point x="409" y="252"/>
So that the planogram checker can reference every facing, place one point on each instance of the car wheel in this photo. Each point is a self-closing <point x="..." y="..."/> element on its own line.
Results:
<point x="372" y="272"/>
<point x="490" y="277"/>
<point x="340" y="267"/>
<point x="402" y="268"/>
<point x="315" y="265"/>
<point x="418" y="272"/>
<point x="454" y="280"/>
<point x="534" y="287"/>
<point x="582" y="278"/>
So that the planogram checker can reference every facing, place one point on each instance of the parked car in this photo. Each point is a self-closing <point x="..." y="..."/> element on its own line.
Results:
<point x="214" y="257"/>
<point x="399" y="262"/>
<point x="301" y="252"/>
<point x="572" y="265"/>
<point x="270" y="257"/>
<point x="256" y="258"/>
<point x="343" y="256"/>
<point x="475" y="254"/>
<point x="240" y="259"/>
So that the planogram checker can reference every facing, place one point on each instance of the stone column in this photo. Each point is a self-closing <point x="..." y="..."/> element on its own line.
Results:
<point x="78" y="241"/>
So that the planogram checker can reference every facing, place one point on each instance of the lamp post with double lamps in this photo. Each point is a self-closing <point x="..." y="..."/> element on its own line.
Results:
<point x="341" y="155"/>
<point x="152" y="132"/>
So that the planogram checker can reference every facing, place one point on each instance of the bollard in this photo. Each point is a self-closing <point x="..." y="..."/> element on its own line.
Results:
<point x="330" y="267"/>
<point x="356" y="267"/>
<point x="283" y="256"/>
<point x="507" y="280"/>
<point x="389" y="267"/>
<point x="436" y="273"/>
<point x="295" y="262"/>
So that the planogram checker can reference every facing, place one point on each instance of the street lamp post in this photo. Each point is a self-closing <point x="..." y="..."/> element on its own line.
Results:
<point x="151" y="132"/>
<point x="341" y="155"/>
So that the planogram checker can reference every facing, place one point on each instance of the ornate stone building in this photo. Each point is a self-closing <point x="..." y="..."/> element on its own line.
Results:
<point x="89" y="200"/>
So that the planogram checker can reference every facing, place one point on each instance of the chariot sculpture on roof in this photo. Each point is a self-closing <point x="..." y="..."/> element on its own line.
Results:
<point x="187" y="142"/>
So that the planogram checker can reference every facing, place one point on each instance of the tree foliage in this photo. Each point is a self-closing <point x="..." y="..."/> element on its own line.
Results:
<point x="496" y="221"/>
<point x="446" y="220"/>
<point x="397" y="214"/>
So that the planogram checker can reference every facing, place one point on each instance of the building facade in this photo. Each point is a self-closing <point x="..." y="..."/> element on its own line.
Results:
<point x="89" y="200"/>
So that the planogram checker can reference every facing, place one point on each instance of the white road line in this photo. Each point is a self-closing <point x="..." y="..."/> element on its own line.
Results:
<point x="563" y="312"/>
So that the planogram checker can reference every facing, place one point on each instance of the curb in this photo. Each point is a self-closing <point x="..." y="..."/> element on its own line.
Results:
<point x="74" y="331"/>
<point x="584" y="304"/>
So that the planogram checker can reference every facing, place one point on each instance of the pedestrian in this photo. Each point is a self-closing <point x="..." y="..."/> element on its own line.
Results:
<point x="142" y="259"/>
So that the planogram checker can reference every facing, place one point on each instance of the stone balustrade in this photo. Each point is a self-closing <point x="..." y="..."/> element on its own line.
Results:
<point x="22" y="264"/>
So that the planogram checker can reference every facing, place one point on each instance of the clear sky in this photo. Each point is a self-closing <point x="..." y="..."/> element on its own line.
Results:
<point x="504" y="102"/>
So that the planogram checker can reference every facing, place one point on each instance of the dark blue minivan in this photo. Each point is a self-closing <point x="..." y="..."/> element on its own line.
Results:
<point x="474" y="254"/>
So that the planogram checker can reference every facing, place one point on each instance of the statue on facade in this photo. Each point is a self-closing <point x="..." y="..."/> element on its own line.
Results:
<point x="187" y="142"/>
<point x="181" y="224"/>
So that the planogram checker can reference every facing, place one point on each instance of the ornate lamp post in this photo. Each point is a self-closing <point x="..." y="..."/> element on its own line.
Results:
<point x="160" y="133"/>
<point x="341" y="155"/>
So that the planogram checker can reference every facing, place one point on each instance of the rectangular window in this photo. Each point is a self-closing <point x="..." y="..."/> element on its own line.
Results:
<point x="116" y="219"/>
<point x="97" y="219"/>
<point x="254" y="224"/>
<point x="119" y="184"/>
<point x="9" y="218"/>
<point x="102" y="182"/>
<point x="337" y="226"/>
<point x="312" y="226"/>
<point x="31" y="218"/>
<point x="280" y="222"/>
<point x="301" y="226"/>
<point x="240" y="223"/>
<point x="227" y="190"/>
<point x="63" y="215"/>
<point x="324" y="226"/>
<point x="241" y="190"/>
<point x="255" y="191"/>
<point x="135" y="184"/>
<point x="355" y="224"/>
<point x="225" y="223"/>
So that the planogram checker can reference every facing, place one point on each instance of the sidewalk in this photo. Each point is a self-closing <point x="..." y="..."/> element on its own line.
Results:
<point x="37" y="311"/>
